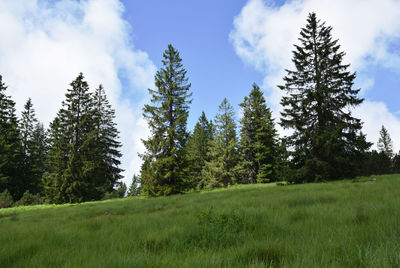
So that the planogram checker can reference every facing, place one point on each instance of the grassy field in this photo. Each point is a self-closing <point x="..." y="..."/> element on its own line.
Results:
<point x="341" y="224"/>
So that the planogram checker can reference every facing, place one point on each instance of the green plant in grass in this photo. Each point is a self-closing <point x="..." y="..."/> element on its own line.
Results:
<point x="6" y="199"/>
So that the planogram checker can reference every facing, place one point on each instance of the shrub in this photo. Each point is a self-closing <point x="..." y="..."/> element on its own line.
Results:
<point x="29" y="199"/>
<point x="6" y="199"/>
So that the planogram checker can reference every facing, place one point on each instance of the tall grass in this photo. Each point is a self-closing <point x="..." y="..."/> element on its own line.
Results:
<point x="340" y="224"/>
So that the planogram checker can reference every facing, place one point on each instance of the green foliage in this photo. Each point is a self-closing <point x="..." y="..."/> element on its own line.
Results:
<point x="135" y="188"/>
<point x="10" y="146"/>
<point x="258" y="145"/>
<point x="222" y="168"/>
<point x="83" y="147"/>
<point x="396" y="163"/>
<point x="377" y="163"/>
<point x="6" y="200"/>
<point x="121" y="189"/>
<point x="164" y="170"/>
<point x="326" y="142"/>
<point x="385" y="143"/>
<point x="104" y="146"/>
<point x="198" y="149"/>
<point x="29" y="199"/>
<point x="34" y="149"/>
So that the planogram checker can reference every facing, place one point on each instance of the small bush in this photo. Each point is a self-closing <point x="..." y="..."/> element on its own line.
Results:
<point x="6" y="199"/>
<point x="29" y="199"/>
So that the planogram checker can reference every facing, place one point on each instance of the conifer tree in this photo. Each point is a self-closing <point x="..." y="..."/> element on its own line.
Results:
<point x="385" y="143"/>
<point x="104" y="146"/>
<point x="221" y="169"/>
<point x="258" y="145"/>
<point x="83" y="158"/>
<point x="38" y="157"/>
<point x="326" y="140"/>
<point x="198" y="148"/>
<point x="396" y="163"/>
<point x="165" y="164"/>
<point x="134" y="189"/>
<point x="10" y="146"/>
<point x="33" y="149"/>
<point x="70" y="173"/>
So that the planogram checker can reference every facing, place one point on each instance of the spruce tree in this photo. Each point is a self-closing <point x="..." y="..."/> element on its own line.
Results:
<point x="198" y="148"/>
<point x="134" y="189"/>
<point x="326" y="140"/>
<point x="221" y="170"/>
<point x="38" y="157"/>
<point x="258" y="145"/>
<point x="104" y="147"/>
<point x="165" y="166"/>
<point x="69" y="177"/>
<point x="10" y="146"/>
<point x="33" y="149"/>
<point x="385" y="143"/>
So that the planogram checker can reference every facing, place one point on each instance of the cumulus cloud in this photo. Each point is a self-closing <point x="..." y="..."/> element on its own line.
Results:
<point x="45" y="44"/>
<point x="264" y="34"/>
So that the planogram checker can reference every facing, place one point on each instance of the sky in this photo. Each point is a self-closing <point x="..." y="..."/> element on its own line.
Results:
<point x="225" y="46"/>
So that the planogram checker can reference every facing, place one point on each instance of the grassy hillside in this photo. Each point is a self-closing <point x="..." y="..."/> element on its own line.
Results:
<point x="340" y="224"/>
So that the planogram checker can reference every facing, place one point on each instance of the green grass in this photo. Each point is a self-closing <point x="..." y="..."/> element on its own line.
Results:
<point x="340" y="224"/>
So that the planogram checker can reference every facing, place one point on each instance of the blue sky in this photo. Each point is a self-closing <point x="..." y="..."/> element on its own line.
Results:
<point x="225" y="46"/>
<point x="200" y="31"/>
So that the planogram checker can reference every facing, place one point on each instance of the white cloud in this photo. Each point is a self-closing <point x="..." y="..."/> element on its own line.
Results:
<point x="46" y="44"/>
<point x="264" y="35"/>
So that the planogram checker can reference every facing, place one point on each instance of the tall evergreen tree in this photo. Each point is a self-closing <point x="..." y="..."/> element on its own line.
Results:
<point x="198" y="148"/>
<point x="33" y="149"/>
<point x="258" y="143"/>
<point x="104" y="146"/>
<point x="326" y="140"/>
<point x="385" y="143"/>
<point x="70" y="173"/>
<point x="165" y="165"/>
<point x="222" y="168"/>
<point x="10" y="146"/>
<point x="38" y="157"/>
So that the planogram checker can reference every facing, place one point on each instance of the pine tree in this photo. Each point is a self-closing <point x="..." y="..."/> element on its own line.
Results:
<point x="38" y="157"/>
<point x="134" y="189"/>
<point x="104" y="147"/>
<point x="385" y="143"/>
<point x="69" y="177"/>
<point x="33" y="149"/>
<point x="165" y="165"/>
<point x="10" y="146"/>
<point x="198" y="148"/>
<point x="319" y="94"/>
<point x="258" y="143"/>
<point x="221" y="169"/>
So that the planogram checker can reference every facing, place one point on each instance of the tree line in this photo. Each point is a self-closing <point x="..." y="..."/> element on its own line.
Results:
<point x="77" y="158"/>
<point x="326" y="141"/>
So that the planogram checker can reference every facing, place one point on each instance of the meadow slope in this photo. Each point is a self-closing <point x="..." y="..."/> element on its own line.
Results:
<point x="339" y="224"/>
